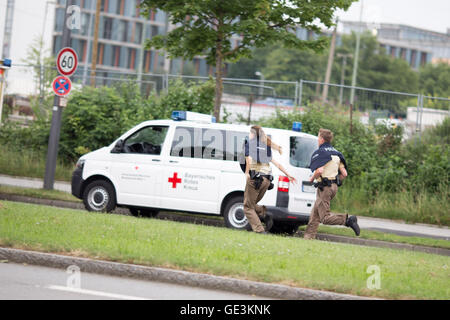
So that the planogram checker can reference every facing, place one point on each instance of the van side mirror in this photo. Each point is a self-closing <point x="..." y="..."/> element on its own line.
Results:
<point x="118" y="148"/>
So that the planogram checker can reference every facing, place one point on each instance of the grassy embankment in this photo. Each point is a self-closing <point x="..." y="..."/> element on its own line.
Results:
<point x="425" y="207"/>
<point x="366" y="234"/>
<point x="220" y="251"/>
<point x="30" y="164"/>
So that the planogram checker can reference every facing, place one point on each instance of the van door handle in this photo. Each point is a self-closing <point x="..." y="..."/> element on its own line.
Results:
<point x="173" y="161"/>
<point x="156" y="160"/>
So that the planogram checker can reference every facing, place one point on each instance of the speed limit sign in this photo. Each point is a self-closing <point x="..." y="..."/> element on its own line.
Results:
<point x="67" y="61"/>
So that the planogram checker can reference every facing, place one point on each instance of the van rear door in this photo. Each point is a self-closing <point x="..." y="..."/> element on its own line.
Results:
<point x="301" y="195"/>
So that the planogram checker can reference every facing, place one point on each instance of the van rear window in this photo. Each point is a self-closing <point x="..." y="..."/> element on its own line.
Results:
<point x="302" y="149"/>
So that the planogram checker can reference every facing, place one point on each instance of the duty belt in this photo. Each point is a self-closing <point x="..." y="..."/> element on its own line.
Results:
<point x="325" y="182"/>
<point x="257" y="178"/>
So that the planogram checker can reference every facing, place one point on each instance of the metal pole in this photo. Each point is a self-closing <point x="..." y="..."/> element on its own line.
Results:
<point x="355" y="61"/>
<point x="344" y="65"/>
<point x="2" y="91"/>
<point x="300" y="92"/>
<point x="296" y="93"/>
<point x="95" y="45"/>
<point x="53" y="141"/>
<point x="329" y="66"/>
<point x="421" y="113"/>
<point x="89" y="43"/>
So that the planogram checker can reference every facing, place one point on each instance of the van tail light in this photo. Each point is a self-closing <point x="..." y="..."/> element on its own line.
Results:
<point x="283" y="184"/>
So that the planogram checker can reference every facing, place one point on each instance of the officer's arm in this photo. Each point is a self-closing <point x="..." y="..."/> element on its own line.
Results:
<point x="279" y="166"/>
<point x="248" y="160"/>
<point x="343" y="174"/>
<point x="316" y="174"/>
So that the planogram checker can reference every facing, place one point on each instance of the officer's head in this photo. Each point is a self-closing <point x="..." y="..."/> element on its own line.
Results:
<point x="325" y="135"/>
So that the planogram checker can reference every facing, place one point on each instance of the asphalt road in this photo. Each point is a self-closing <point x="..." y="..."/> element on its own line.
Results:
<point x="25" y="282"/>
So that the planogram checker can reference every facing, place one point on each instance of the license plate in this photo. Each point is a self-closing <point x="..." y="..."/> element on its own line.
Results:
<point x="308" y="187"/>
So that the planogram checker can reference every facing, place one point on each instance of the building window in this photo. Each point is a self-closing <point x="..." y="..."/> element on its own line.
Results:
<point x="138" y="33"/>
<point x="108" y="55"/>
<point x="412" y="61"/>
<point x="123" y="60"/>
<point x="59" y="20"/>
<point x="132" y="59"/>
<point x="113" y="6"/>
<point x="130" y="8"/>
<point x="107" y="28"/>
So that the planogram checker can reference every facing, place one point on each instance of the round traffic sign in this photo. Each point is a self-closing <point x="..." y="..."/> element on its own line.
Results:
<point x="67" y="61"/>
<point x="62" y="86"/>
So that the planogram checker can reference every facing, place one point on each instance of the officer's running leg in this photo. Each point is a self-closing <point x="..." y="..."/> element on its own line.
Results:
<point x="324" y="208"/>
<point x="261" y="210"/>
<point x="314" y="219"/>
<point x="250" y="196"/>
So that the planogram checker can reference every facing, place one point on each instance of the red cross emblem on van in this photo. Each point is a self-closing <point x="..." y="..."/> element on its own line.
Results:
<point x="174" y="180"/>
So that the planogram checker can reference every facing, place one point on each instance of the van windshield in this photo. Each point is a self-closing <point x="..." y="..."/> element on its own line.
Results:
<point x="302" y="149"/>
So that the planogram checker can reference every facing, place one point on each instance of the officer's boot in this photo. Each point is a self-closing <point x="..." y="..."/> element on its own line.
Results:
<point x="352" y="222"/>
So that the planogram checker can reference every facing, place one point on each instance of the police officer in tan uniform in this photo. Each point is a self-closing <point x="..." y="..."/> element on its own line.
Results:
<point x="329" y="168"/>
<point x="258" y="156"/>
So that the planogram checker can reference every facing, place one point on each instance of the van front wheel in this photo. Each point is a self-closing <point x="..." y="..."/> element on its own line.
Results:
<point x="99" y="196"/>
<point x="234" y="215"/>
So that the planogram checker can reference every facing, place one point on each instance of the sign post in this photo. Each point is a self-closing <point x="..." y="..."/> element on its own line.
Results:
<point x="53" y="141"/>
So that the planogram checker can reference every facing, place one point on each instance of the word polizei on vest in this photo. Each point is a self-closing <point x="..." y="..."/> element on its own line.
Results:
<point x="322" y="156"/>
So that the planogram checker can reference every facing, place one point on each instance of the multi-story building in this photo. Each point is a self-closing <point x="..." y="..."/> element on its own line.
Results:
<point x="122" y="34"/>
<point x="414" y="45"/>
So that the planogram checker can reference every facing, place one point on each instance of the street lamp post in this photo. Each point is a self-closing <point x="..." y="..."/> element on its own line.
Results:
<point x="4" y="65"/>
<point x="355" y="61"/>
<point x="344" y="64"/>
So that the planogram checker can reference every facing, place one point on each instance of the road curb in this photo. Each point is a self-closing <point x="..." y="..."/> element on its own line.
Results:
<point x="215" y="222"/>
<point x="171" y="276"/>
<point x="380" y="244"/>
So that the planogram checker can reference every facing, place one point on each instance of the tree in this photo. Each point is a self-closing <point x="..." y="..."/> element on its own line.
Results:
<point x="44" y="71"/>
<point x="435" y="80"/>
<point x="206" y="27"/>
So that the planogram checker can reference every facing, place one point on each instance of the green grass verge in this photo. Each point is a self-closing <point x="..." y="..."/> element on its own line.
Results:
<point x="39" y="193"/>
<point x="220" y="251"/>
<point x="31" y="164"/>
<point x="366" y="234"/>
<point x="382" y="236"/>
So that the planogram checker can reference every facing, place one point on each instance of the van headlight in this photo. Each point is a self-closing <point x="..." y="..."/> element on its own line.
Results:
<point x="80" y="164"/>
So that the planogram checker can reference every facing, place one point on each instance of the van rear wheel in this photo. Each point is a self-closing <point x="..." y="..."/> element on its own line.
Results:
<point x="234" y="215"/>
<point x="99" y="196"/>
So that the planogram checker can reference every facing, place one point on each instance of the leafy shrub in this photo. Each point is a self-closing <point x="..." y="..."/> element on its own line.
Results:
<point x="94" y="117"/>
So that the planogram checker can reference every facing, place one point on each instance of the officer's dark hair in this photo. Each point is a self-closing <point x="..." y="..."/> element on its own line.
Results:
<point x="261" y="135"/>
<point x="326" y="135"/>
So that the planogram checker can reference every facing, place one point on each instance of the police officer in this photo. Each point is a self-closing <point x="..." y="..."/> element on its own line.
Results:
<point x="258" y="155"/>
<point x="329" y="169"/>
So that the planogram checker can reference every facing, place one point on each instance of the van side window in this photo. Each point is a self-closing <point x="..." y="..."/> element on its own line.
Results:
<point x="204" y="143"/>
<point x="301" y="151"/>
<point x="148" y="140"/>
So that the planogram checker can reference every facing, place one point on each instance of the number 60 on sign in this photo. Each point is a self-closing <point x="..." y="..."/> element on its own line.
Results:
<point x="67" y="61"/>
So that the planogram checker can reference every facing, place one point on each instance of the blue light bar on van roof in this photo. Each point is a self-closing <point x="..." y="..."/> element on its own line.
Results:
<point x="192" y="116"/>
<point x="297" y="126"/>
<point x="178" y="115"/>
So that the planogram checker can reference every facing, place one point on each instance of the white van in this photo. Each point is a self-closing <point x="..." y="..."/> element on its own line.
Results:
<point x="190" y="164"/>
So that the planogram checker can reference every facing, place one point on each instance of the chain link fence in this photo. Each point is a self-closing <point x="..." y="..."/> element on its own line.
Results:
<point x="248" y="100"/>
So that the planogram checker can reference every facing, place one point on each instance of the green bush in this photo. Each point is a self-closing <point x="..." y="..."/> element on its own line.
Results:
<point x="95" y="117"/>
<point x="376" y="156"/>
